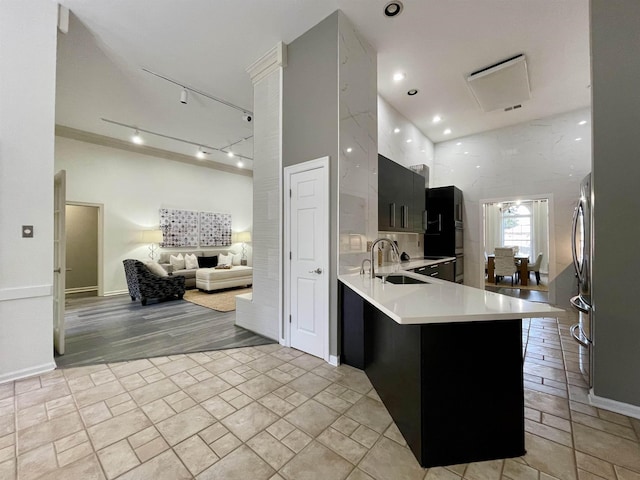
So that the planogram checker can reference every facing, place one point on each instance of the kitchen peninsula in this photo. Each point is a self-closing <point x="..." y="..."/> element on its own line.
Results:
<point x="445" y="359"/>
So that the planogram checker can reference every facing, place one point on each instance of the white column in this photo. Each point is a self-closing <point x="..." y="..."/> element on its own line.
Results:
<point x="263" y="312"/>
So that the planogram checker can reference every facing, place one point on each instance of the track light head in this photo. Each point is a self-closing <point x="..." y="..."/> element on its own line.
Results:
<point x="184" y="96"/>
<point x="201" y="154"/>
<point x="230" y="154"/>
<point x="137" y="139"/>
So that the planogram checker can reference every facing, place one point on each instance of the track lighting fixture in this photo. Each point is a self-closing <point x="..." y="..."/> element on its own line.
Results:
<point x="201" y="154"/>
<point x="247" y="115"/>
<point x="137" y="139"/>
<point x="184" y="96"/>
<point x="203" y="149"/>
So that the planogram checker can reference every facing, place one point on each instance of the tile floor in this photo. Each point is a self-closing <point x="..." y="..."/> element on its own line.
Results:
<point x="268" y="412"/>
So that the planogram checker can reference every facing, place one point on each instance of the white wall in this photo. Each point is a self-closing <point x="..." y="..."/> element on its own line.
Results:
<point x="27" y="99"/>
<point x="534" y="158"/>
<point x="133" y="187"/>
<point x="394" y="146"/>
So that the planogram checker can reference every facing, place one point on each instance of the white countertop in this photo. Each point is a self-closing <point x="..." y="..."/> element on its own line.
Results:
<point x="410" y="265"/>
<point x="440" y="301"/>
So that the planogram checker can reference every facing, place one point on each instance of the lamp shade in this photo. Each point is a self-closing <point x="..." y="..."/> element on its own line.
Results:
<point x="243" y="237"/>
<point x="151" y="236"/>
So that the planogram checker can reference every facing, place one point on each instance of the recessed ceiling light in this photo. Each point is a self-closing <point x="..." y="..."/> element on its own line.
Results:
<point x="578" y="139"/>
<point x="200" y="154"/>
<point x="423" y="150"/>
<point x="396" y="130"/>
<point x="436" y="119"/>
<point x="393" y="9"/>
<point x="399" y="76"/>
<point x="477" y="166"/>
<point x="466" y="153"/>
<point x="349" y="150"/>
<point x="240" y="164"/>
<point x="582" y="122"/>
<point x="230" y="154"/>
<point x="412" y="92"/>
<point x="447" y="131"/>
<point x="409" y="140"/>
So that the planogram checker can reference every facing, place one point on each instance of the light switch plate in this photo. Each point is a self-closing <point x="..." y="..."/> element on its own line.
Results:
<point x="27" y="231"/>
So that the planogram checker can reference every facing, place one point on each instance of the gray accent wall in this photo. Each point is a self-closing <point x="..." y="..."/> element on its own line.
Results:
<point x="329" y="105"/>
<point x="615" y="44"/>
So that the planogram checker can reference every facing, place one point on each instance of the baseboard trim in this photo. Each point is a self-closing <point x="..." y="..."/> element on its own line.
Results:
<point x="81" y="290"/>
<point x="334" y="360"/>
<point x="116" y="292"/>
<point x="27" y="372"/>
<point x="614" y="406"/>
<point x="20" y="293"/>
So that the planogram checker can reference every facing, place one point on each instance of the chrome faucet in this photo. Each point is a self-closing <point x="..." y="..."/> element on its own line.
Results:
<point x="394" y="247"/>
<point x="362" y="266"/>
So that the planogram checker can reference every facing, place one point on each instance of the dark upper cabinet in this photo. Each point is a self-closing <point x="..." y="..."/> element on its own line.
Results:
<point x="401" y="196"/>
<point x="443" y="232"/>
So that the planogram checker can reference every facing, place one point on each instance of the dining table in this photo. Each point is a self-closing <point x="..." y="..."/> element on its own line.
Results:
<point x="522" y="262"/>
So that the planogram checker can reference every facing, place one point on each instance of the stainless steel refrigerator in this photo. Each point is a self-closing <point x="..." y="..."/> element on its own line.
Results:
<point x="582" y="255"/>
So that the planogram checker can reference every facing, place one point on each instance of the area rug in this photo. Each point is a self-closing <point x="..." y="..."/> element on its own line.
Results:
<point x="224" y="301"/>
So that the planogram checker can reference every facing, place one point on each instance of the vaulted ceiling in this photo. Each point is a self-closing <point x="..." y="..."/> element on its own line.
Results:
<point x="207" y="45"/>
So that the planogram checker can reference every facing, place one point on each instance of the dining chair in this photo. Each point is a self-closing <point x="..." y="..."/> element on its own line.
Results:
<point x="505" y="264"/>
<point x="535" y="267"/>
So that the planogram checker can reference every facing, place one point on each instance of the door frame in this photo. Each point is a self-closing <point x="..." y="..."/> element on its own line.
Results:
<point x="285" y="326"/>
<point x="551" y="228"/>
<point x="100" y="207"/>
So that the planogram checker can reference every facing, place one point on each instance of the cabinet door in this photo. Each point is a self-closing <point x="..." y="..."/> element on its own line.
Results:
<point x="387" y="191"/>
<point x="446" y="270"/>
<point x="416" y="208"/>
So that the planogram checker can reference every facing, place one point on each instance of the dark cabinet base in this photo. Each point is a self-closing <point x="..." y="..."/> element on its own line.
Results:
<point x="455" y="390"/>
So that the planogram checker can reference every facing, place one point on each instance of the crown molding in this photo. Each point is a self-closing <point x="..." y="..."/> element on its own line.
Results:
<point x="89" y="137"/>
<point x="268" y="63"/>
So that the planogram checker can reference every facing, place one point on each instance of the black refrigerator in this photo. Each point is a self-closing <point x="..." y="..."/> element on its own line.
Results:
<point x="444" y="227"/>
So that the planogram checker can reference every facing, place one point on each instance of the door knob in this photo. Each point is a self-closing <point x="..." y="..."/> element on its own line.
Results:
<point x="317" y="270"/>
<point x="57" y="270"/>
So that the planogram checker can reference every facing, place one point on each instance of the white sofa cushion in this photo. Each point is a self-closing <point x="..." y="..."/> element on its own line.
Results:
<point x="177" y="262"/>
<point x="156" y="268"/>
<point x="190" y="261"/>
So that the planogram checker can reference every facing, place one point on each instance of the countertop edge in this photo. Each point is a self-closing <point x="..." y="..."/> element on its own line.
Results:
<point x="548" y="311"/>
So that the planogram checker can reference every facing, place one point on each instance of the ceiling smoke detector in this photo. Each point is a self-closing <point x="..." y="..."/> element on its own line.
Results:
<point x="504" y="85"/>
<point x="393" y="9"/>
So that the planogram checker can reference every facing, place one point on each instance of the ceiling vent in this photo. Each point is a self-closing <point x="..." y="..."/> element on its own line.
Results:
<point x="501" y="86"/>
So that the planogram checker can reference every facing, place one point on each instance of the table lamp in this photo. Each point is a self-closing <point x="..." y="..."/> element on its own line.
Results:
<point x="244" y="237"/>
<point x="152" y="237"/>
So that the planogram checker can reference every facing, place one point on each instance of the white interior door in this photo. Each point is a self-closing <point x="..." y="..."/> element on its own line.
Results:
<point x="59" y="259"/>
<point x="308" y="235"/>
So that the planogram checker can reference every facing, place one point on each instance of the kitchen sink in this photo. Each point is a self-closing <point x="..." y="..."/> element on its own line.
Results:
<point x="401" y="279"/>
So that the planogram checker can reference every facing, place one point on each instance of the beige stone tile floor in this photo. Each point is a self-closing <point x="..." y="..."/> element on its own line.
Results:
<point x="273" y="413"/>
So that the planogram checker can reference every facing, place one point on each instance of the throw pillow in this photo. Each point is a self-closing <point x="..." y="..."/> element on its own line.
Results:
<point x="208" y="262"/>
<point x="224" y="259"/>
<point x="177" y="262"/>
<point x="236" y="259"/>
<point x="156" y="268"/>
<point x="190" y="261"/>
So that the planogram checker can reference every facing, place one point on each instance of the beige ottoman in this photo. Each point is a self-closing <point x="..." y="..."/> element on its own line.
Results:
<point x="209" y="279"/>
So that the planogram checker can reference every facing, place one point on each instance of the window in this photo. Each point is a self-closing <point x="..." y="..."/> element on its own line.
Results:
<point x="516" y="227"/>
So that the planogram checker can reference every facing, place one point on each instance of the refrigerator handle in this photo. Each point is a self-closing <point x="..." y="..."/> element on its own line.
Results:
<point x="574" y="226"/>
<point x="577" y="338"/>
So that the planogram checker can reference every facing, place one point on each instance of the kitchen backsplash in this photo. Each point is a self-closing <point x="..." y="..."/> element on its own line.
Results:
<point x="411" y="243"/>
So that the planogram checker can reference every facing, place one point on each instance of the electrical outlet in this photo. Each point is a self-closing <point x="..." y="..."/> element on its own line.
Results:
<point x="27" y="231"/>
<point x="369" y="245"/>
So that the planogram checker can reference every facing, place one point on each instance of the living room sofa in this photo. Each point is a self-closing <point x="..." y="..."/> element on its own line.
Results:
<point x="211" y="282"/>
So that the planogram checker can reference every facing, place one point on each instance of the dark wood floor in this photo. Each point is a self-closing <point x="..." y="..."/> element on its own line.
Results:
<point x="113" y="329"/>
<point x="530" y="295"/>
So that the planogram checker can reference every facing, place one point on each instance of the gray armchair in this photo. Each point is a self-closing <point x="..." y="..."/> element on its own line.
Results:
<point x="144" y="284"/>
